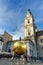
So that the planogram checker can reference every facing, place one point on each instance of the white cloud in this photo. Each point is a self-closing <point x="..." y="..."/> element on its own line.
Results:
<point x="6" y="14"/>
<point x="1" y="31"/>
<point x="19" y="33"/>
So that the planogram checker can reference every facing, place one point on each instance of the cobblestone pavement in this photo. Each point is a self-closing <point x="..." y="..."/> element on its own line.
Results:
<point x="6" y="61"/>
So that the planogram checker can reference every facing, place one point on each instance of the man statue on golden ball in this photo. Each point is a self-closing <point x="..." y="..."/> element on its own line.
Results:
<point x="19" y="48"/>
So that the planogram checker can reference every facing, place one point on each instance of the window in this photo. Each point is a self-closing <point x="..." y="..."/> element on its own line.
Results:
<point x="0" y="43"/>
<point x="42" y="47"/>
<point x="28" y="21"/>
<point x="41" y="40"/>
<point x="37" y="53"/>
<point x="28" y="33"/>
<point x="9" y="50"/>
<point x="30" y="51"/>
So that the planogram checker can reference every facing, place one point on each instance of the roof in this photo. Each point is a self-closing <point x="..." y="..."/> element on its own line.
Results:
<point x="7" y="33"/>
<point x="39" y="33"/>
<point x="25" y="39"/>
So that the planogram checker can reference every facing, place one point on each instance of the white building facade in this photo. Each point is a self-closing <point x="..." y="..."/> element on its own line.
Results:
<point x="1" y="44"/>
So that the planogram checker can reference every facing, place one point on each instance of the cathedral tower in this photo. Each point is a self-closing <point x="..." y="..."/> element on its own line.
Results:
<point x="30" y="30"/>
<point x="29" y="25"/>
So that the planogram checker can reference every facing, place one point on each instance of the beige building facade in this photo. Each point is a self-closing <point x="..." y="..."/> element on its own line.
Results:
<point x="7" y="37"/>
<point x="39" y="43"/>
<point x="4" y="38"/>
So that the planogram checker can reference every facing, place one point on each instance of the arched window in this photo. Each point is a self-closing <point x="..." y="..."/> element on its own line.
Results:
<point x="9" y="50"/>
<point x="28" y="33"/>
<point x="1" y="39"/>
<point x="28" y="21"/>
<point x="42" y="47"/>
<point x="41" y="40"/>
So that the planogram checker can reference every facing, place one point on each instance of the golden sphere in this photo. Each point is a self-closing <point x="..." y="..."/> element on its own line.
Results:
<point x="19" y="48"/>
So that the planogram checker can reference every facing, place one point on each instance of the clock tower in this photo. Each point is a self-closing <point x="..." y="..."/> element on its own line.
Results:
<point x="30" y="30"/>
<point x="29" y="25"/>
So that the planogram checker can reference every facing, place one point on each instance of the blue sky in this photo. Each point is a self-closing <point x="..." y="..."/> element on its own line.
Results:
<point x="13" y="13"/>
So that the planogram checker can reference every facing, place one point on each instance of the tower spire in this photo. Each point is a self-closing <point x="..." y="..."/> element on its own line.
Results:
<point x="29" y="11"/>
